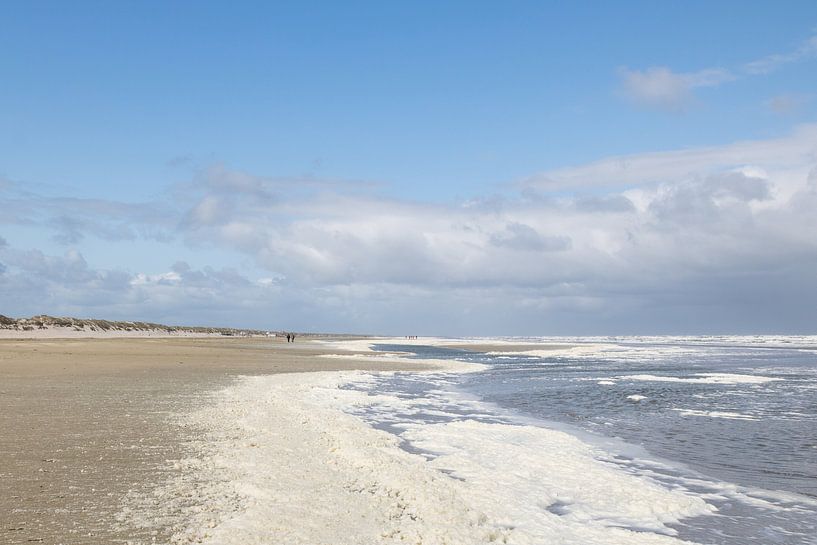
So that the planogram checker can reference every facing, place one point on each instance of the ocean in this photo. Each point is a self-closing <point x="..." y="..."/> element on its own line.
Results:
<point x="710" y="440"/>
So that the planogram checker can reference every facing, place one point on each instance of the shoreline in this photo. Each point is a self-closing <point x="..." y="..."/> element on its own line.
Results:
<point x="281" y="467"/>
<point x="362" y="458"/>
<point x="282" y="458"/>
<point x="237" y="440"/>
<point x="85" y="421"/>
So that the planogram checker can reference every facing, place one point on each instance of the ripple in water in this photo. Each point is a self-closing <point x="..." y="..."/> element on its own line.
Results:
<point x="728" y="422"/>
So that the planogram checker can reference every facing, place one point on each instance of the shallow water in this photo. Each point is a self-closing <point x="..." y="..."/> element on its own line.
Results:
<point x="759" y="434"/>
<point x="728" y="420"/>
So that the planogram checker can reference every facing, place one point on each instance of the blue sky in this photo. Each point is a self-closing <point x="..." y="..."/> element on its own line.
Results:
<point x="439" y="168"/>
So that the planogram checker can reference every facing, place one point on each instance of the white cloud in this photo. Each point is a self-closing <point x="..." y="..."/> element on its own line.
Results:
<point x="71" y="219"/>
<point x="519" y="236"/>
<point x="770" y="63"/>
<point x="684" y="240"/>
<point x="661" y="88"/>
<point x="167" y="278"/>
<point x="679" y="221"/>
<point x="794" y="153"/>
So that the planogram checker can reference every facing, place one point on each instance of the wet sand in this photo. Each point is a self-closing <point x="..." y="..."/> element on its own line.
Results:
<point x="83" y="422"/>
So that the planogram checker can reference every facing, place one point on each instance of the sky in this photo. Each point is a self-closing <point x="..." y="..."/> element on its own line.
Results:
<point x="415" y="168"/>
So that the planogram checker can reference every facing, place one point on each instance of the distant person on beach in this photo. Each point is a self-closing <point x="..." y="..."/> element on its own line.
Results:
<point x="288" y="337"/>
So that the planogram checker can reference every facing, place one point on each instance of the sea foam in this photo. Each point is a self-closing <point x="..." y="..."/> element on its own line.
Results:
<point x="704" y="378"/>
<point x="283" y="461"/>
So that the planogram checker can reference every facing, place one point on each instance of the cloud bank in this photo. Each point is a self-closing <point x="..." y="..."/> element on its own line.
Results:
<point x="717" y="239"/>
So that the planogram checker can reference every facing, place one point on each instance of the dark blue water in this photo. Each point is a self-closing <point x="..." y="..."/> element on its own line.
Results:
<point x="726" y="412"/>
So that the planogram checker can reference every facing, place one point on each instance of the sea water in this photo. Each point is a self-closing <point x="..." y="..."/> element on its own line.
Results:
<point x="731" y="421"/>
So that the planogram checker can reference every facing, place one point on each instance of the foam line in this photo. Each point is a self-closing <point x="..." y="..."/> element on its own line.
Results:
<point x="283" y="462"/>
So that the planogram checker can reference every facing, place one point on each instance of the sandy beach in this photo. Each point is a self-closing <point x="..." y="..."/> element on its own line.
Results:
<point x="253" y="440"/>
<point x="83" y="422"/>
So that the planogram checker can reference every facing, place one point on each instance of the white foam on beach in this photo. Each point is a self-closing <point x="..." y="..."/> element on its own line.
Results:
<point x="351" y="345"/>
<point x="619" y="349"/>
<point x="290" y="459"/>
<point x="367" y="344"/>
<point x="704" y="378"/>
<point x="720" y="491"/>
<point x="808" y="342"/>
<point x="282" y="464"/>
<point x="283" y="461"/>
<point x="548" y="348"/>
<point x="434" y="365"/>
<point x="635" y="349"/>
<point x="551" y="347"/>
<point x="550" y="486"/>
<point x="567" y="350"/>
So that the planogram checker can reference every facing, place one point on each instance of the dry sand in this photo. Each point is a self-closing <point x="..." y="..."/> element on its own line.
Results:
<point x="83" y="421"/>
